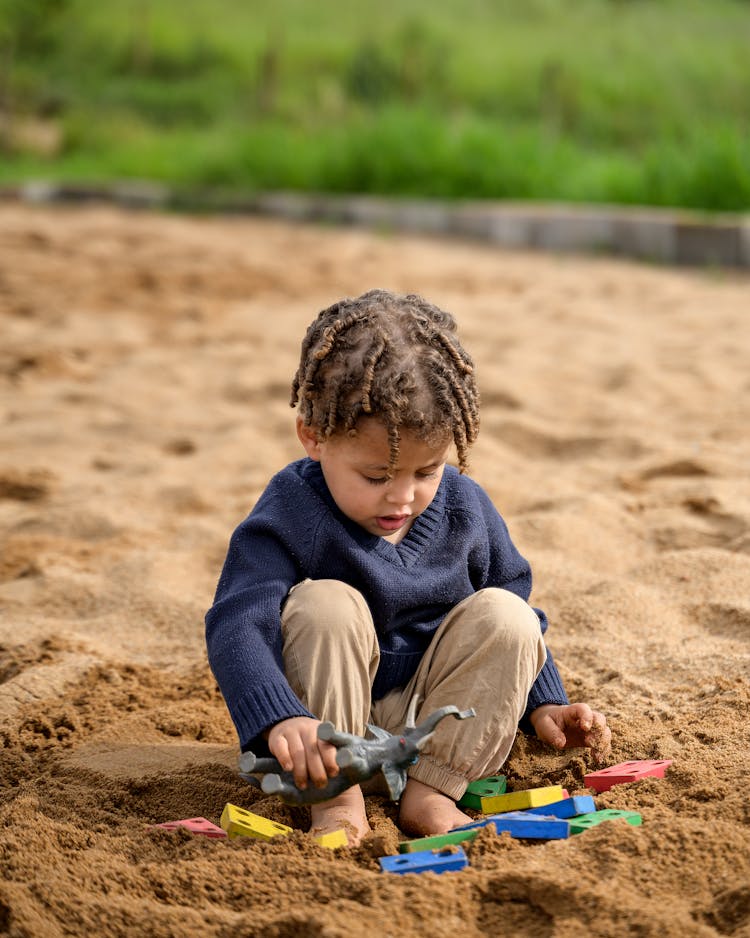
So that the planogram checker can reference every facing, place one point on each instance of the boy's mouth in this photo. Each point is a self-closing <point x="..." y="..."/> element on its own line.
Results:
<point x="391" y="522"/>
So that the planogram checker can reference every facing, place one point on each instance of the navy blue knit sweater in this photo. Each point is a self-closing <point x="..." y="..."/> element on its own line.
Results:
<point x="458" y="545"/>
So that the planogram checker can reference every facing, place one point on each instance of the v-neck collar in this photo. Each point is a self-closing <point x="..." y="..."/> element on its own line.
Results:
<point x="410" y="548"/>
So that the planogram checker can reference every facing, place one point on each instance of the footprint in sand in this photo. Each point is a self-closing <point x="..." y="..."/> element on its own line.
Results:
<point x="699" y="521"/>
<point x="727" y="529"/>
<point x="676" y="467"/>
<point x="685" y="513"/>
<point x="681" y="468"/>
<point x="540" y="444"/>
<point x="728" y="620"/>
<point x="25" y="485"/>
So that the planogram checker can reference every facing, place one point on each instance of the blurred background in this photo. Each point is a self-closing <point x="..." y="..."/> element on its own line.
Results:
<point x="623" y="101"/>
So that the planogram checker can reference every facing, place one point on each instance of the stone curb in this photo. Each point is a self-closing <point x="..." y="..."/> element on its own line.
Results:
<point x="661" y="235"/>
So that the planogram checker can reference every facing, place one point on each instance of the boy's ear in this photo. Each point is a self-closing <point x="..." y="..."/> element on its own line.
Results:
<point x="309" y="439"/>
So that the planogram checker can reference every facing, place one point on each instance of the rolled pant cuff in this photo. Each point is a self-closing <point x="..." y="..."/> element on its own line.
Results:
<point x="439" y="776"/>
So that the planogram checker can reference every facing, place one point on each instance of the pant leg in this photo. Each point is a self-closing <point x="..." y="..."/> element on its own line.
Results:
<point x="486" y="654"/>
<point x="330" y="652"/>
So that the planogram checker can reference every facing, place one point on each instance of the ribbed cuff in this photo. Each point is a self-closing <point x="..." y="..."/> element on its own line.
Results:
<point x="546" y="689"/>
<point x="262" y="707"/>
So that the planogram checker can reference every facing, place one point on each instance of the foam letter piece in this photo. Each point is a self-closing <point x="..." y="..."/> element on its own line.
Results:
<point x="520" y="800"/>
<point x="426" y="861"/>
<point x="438" y="841"/>
<point x="519" y="824"/>
<point x="196" y="825"/>
<point x="585" y="821"/>
<point x="332" y="840"/>
<point x="482" y="788"/>
<point x="604" y="779"/>
<point x="567" y="808"/>
<point x="238" y="822"/>
<point x="523" y="825"/>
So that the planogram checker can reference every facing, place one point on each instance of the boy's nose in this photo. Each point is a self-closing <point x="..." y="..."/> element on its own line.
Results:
<point x="400" y="493"/>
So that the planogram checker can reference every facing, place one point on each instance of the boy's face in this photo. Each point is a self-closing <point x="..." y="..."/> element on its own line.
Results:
<point x="355" y="471"/>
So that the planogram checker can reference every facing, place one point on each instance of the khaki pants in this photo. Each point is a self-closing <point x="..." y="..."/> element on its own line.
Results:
<point x="486" y="654"/>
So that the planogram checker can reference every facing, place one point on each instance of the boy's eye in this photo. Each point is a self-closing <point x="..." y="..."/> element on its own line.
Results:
<point x="381" y="480"/>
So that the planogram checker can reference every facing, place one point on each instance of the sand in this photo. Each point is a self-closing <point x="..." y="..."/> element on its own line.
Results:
<point x="144" y="370"/>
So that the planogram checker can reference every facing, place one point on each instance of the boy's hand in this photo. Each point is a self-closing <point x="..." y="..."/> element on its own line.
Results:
<point x="569" y="726"/>
<point x="294" y="742"/>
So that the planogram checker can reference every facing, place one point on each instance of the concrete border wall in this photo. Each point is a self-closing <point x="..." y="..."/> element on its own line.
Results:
<point x="661" y="235"/>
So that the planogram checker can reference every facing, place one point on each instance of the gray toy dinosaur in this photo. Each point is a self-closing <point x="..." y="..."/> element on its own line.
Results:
<point x="357" y="757"/>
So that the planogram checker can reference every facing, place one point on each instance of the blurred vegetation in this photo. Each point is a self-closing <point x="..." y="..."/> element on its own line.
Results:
<point x="628" y="101"/>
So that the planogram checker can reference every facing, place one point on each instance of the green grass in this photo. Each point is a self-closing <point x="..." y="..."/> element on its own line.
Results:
<point x="629" y="101"/>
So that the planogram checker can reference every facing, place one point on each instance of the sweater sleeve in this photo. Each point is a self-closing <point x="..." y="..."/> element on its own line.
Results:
<point x="243" y="631"/>
<point x="509" y="570"/>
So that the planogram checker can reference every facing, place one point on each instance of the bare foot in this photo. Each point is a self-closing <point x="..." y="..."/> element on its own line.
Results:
<point x="426" y="811"/>
<point x="346" y="811"/>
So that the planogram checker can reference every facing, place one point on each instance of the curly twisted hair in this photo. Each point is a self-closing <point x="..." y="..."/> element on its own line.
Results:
<point x="394" y="357"/>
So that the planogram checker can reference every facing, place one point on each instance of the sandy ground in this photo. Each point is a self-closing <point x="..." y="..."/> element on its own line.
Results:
<point x="144" y="372"/>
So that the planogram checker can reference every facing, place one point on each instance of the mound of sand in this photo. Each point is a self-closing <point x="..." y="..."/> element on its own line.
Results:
<point x="144" y="372"/>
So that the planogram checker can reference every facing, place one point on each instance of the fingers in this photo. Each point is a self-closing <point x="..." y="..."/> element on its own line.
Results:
<point x="310" y="764"/>
<point x="580" y="715"/>
<point x="298" y="750"/>
<point x="598" y="726"/>
<point x="305" y="762"/>
<point x="280" y="748"/>
<point x="328" y="755"/>
<point x="573" y="725"/>
<point x="599" y="738"/>
<point x="549" y="732"/>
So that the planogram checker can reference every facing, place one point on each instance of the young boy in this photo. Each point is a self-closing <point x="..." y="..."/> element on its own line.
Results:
<point x="371" y="571"/>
